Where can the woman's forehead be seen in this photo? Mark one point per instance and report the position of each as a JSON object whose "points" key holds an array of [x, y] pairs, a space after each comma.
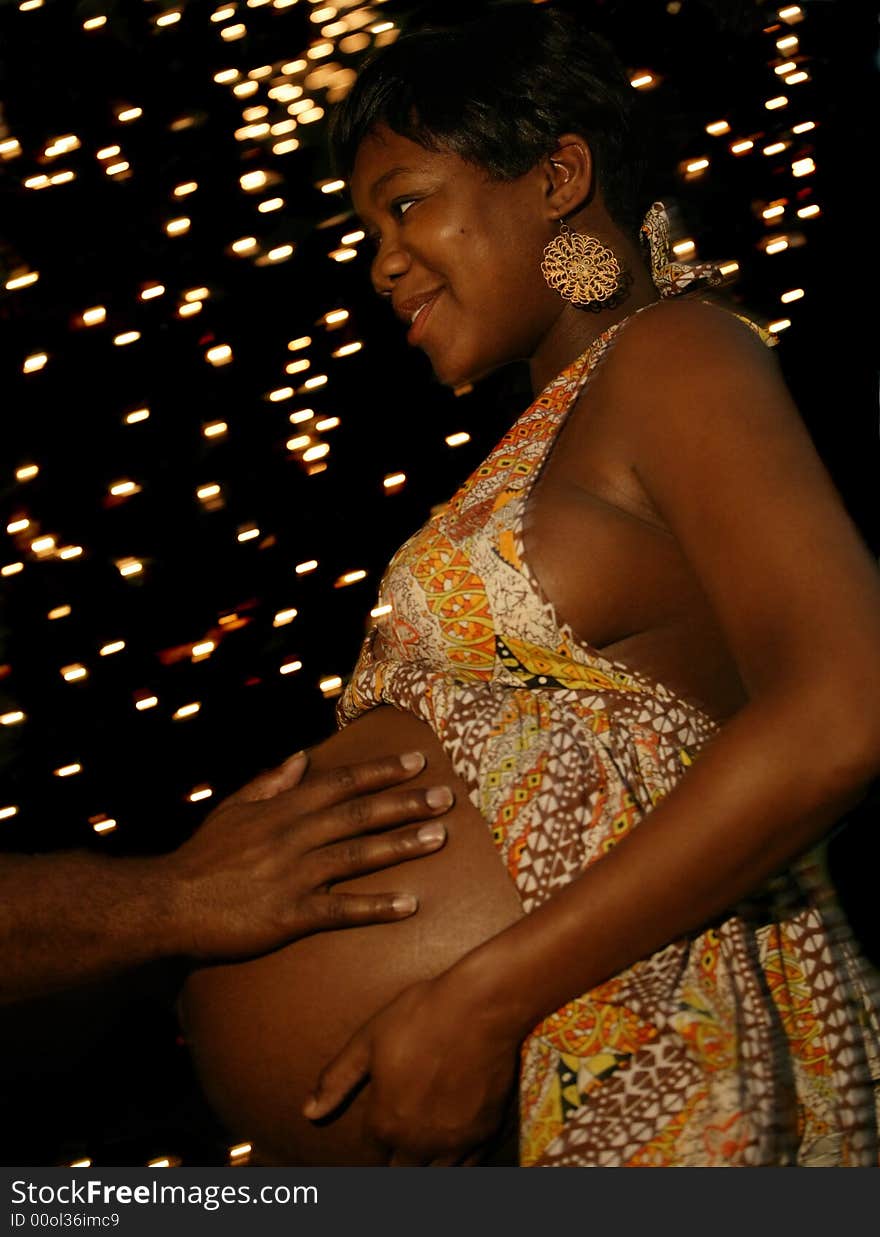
{"points": [[384, 154]]}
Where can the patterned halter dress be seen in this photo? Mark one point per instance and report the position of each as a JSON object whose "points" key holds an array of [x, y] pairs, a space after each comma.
{"points": [[752, 1042]]}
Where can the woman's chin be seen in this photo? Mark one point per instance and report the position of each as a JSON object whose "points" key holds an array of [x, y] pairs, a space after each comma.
{"points": [[454, 373]]}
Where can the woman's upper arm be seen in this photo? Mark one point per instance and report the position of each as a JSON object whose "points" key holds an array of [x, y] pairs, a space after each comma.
{"points": [[721, 451]]}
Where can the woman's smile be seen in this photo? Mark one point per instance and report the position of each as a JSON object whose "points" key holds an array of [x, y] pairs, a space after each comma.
{"points": [[420, 318], [446, 231]]}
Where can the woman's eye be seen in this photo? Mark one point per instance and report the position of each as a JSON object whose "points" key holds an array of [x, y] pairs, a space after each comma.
{"points": [[402, 205]]}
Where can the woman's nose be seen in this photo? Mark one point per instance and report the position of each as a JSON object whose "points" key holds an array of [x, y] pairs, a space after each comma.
{"points": [[389, 264]]}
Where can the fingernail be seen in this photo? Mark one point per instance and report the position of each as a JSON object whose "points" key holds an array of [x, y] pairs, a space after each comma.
{"points": [[404, 903], [295, 758], [310, 1107], [438, 797], [432, 834], [412, 761]]}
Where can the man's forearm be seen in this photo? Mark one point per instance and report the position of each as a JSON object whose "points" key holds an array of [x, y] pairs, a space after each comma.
{"points": [[74, 917]]}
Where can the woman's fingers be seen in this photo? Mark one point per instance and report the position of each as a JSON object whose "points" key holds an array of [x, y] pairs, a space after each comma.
{"points": [[338, 1079]]}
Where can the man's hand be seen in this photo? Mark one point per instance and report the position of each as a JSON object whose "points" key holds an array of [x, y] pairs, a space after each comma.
{"points": [[259, 871]]}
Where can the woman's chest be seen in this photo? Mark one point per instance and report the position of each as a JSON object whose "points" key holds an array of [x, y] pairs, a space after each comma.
{"points": [[616, 575]]}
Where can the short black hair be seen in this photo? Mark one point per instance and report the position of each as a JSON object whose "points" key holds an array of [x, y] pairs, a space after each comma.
{"points": [[498, 91]]}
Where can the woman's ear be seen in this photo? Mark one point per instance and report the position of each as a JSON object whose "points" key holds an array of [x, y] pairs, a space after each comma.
{"points": [[569, 174]]}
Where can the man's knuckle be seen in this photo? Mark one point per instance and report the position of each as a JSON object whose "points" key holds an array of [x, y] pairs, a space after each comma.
{"points": [[344, 778], [359, 813], [352, 853], [337, 910]]}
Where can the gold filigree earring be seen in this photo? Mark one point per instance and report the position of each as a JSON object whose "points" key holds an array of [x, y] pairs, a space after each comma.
{"points": [[580, 268]]}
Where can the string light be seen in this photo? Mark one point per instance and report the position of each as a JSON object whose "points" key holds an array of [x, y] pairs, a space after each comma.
{"points": [[70, 770], [74, 674], [22, 281], [316, 453], [350, 577], [186, 710]]}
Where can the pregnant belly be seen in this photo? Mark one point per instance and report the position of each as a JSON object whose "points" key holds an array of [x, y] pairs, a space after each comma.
{"points": [[260, 1031]]}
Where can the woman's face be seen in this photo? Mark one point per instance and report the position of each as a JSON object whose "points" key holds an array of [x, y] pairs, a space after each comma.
{"points": [[459, 254]]}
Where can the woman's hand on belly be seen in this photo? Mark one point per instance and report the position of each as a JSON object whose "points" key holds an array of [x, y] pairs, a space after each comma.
{"points": [[440, 1076], [260, 871]]}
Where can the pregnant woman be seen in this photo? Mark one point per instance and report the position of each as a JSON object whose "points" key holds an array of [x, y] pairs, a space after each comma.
{"points": [[641, 645]]}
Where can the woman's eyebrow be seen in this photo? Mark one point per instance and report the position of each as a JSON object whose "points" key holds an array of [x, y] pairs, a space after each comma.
{"points": [[384, 178]]}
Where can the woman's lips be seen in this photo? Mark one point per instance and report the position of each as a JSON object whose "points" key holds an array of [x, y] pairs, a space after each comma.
{"points": [[417, 330]]}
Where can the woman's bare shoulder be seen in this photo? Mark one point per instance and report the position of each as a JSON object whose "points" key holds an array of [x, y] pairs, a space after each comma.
{"points": [[687, 366], [700, 332]]}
